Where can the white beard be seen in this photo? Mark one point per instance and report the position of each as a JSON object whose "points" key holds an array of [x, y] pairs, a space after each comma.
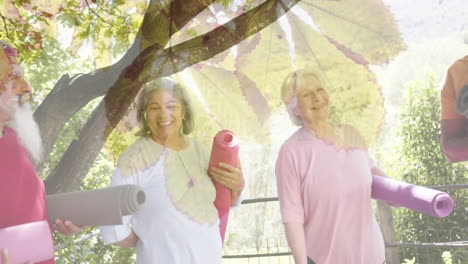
{"points": [[27, 130]]}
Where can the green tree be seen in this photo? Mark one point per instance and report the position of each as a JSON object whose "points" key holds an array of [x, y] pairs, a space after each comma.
{"points": [[160, 38], [419, 160], [133, 41]]}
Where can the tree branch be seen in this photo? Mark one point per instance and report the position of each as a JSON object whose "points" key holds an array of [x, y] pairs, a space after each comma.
{"points": [[70, 95], [79, 157], [95, 13], [5, 26]]}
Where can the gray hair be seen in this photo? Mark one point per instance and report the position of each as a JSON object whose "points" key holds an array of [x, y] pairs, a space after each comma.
{"points": [[177, 90], [294, 81]]}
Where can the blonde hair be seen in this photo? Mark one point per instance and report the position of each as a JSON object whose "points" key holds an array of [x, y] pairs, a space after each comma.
{"points": [[291, 84], [177, 90]]}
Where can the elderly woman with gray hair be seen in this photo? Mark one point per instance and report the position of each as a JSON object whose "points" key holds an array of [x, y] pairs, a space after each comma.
{"points": [[179, 222], [324, 177]]}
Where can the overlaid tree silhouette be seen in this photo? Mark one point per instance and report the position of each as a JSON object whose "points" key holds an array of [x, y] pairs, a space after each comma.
{"points": [[343, 38]]}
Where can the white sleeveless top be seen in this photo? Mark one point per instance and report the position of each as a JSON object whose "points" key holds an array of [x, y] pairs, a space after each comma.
{"points": [[178, 223]]}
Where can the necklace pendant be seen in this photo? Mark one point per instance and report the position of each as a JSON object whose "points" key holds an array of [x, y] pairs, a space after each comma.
{"points": [[191, 182]]}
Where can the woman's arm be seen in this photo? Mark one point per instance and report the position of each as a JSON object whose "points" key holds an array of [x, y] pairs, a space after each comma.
{"points": [[128, 242], [289, 183], [230, 177], [379, 172], [67, 228], [123, 234], [235, 196], [296, 241]]}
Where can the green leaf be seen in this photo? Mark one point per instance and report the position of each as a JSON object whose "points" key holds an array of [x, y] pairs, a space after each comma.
{"points": [[366, 27]]}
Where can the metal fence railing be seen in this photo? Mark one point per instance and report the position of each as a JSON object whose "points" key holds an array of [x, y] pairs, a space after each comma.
{"points": [[282, 254], [449, 245]]}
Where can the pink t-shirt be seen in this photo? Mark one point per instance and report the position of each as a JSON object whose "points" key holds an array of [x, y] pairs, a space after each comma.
{"points": [[329, 192], [22, 194]]}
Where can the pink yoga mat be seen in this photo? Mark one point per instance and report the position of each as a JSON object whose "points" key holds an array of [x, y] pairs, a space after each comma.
{"points": [[27, 242], [225, 149], [425, 200]]}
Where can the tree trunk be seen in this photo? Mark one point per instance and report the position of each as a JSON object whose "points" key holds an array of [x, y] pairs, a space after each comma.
{"points": [[153, 62], [388, 231], [70, 95]]}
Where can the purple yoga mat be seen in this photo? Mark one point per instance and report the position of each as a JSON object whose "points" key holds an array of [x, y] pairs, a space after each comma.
{"points": [[425, 200]]}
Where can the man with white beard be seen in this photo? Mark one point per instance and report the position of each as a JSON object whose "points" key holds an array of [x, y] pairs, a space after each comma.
{"points": [[22, 193]]}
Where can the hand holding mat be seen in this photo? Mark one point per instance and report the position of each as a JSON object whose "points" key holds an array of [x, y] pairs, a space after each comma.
{"points": [[28, 242], [96, 207], [425, 200], [462, 101], [225, 149]]}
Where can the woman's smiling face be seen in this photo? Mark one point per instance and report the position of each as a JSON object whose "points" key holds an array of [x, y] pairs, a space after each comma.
{"points": [[312, 101], [164, 115]]}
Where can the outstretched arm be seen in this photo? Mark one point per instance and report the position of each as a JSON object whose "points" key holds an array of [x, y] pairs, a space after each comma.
{"points": [[67, 228]]}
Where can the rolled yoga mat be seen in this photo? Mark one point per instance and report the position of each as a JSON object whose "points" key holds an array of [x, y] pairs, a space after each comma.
{"points": [[424, 200], [96, 207], [27, 242], [462, 101], [225, 149]]}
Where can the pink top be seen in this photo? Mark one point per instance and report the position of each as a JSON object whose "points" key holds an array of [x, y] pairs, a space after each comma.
{"points": [[329, 191], [22, 194]]}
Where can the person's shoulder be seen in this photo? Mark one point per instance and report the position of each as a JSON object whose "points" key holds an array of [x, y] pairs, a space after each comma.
{"points": [[459, 64], [10, 135], [139, 156], [195, 143], [134, 149], [463, 61], [295, 141], [292, 140], [198, 146], [9, 131], [352, 136], [347, 128]]}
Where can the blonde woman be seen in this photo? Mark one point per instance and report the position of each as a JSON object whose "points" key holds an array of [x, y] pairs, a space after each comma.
{"points": [[324, 182]]}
